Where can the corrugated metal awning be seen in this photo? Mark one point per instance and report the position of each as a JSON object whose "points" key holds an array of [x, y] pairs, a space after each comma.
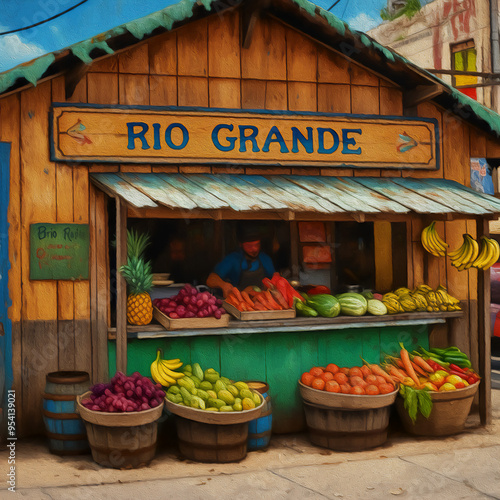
{"points": [[323, 195]]}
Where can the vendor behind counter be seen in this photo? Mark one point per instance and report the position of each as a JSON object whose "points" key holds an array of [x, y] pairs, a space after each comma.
{"points": [[247, 266]]}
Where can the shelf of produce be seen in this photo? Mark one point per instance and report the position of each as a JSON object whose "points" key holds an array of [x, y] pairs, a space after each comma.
{"points": [[297, 324]]}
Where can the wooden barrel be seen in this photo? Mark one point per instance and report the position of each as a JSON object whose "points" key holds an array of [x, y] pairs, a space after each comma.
{"points": [[63, 425], [449, 413], [121, 440], [259, 430], [346, 429], [212, 442]]}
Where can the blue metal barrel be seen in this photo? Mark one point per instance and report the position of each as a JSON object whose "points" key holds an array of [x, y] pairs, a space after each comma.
{"points": [[259, 430], [63, 426]]}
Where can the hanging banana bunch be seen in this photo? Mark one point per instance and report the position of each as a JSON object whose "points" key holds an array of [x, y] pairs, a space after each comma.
{"points": [[432, 242], [464, 256], [488, 255], [469, 254]]}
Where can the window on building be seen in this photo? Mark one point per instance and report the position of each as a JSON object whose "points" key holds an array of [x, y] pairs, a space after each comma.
{"points": [[463, 58]]}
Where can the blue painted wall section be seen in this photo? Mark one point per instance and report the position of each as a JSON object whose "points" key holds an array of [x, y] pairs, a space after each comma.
{"points": [[6, 375]]}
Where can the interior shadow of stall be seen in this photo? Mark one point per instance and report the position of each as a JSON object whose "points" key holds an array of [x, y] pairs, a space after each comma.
{"points": [[341, 255]]}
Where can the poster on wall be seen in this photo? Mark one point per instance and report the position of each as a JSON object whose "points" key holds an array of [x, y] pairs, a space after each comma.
{"points": [[480, 176], [59, 251]]}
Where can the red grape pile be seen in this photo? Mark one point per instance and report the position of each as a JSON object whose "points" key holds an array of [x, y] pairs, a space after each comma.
{"points": [[125, 394], [190, 303]]}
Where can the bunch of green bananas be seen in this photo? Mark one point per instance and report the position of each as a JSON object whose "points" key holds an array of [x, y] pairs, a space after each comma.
{"points": [[163, 370], [470, 255], [432, 242]]}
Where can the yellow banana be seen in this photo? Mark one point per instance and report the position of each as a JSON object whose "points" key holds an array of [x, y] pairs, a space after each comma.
{"points": [[456, 253], [166, 371], [162, 370], [173, 364], [432, 246], [157, 377], [427, 242], [439, 241], [461, 261], [475, 252], [442, 296], [484, 254], [494, 253], [436, 241]]}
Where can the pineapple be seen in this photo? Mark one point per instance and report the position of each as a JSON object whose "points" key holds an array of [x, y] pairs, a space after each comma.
{"points": [[139, 278]]}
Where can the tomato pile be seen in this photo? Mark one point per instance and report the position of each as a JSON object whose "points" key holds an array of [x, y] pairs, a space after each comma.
{"points": [[359, 380]]}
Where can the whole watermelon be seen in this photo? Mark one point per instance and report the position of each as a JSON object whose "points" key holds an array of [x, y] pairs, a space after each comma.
{"points": [[326, 305]]}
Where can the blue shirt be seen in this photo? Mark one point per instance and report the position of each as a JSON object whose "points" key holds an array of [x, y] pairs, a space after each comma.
{"points": [[229, 269]]}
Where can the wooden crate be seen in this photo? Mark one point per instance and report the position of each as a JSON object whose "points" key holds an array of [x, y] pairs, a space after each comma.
{"points": [[258, 315], [189, 323]]}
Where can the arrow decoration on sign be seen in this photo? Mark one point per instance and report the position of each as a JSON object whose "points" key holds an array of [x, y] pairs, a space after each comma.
{"points": [[75, 131], [407, 143]]}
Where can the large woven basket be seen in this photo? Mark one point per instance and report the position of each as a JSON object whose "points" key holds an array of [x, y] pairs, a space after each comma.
{"points": [[450, 410]]}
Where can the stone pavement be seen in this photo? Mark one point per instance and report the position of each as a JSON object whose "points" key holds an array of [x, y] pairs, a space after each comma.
{"points": [[465, 466]]}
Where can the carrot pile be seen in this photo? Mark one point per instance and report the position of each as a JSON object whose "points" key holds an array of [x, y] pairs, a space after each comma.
{"points": [[408, 369], [277, 295]]}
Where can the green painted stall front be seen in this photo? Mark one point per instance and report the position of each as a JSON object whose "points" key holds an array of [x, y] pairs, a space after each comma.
{"points": [[276, 358]]}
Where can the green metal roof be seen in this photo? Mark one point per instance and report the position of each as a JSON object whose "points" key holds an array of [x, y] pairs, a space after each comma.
{"points": [[283, 193], [456, 102]]}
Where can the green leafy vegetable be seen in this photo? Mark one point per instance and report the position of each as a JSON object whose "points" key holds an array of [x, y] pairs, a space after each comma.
{"points": [[424, 402], [416, 400]]}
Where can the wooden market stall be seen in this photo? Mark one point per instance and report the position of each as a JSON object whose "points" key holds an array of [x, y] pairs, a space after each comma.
{"points": [[202, 115]]}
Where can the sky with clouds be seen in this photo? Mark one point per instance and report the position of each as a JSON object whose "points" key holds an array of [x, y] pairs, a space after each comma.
{"points": [[95, 16]]}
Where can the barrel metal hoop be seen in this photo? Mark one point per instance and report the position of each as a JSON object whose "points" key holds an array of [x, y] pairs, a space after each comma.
{"points": [[213, 446], [319, 432], [60, 397], [74, 377], [61, 416], [65, 437]]}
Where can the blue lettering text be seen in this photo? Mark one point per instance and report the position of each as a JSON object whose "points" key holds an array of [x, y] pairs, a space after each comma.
{"points": [[350, 141], [215, 138], [133, 135], [275, 136], [321, 141]]}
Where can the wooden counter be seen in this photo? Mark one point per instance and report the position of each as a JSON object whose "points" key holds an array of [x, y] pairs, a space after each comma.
{"points": [[236, 327]]}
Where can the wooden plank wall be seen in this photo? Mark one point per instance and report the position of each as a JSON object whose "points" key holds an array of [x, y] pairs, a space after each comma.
{"points": [[281, 70]]}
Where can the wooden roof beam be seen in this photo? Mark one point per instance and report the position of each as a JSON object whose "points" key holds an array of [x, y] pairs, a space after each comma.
{"points": [[420, 94], [73, 76]]}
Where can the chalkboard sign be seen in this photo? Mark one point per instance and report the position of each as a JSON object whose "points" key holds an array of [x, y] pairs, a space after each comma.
{"points": [[59, 251]]}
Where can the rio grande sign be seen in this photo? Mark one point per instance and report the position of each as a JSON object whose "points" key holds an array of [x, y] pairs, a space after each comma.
{"points": [[183, 135]]}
